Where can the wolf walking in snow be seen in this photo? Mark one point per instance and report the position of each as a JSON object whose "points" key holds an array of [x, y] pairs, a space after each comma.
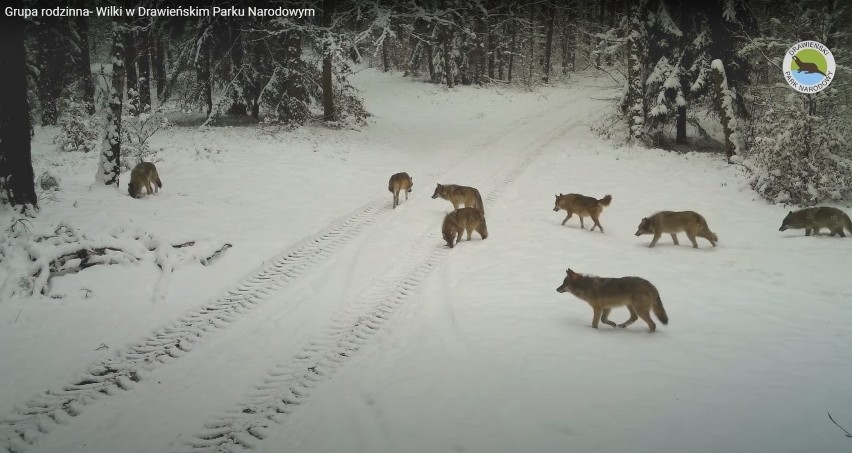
{"points": [[814, 219], [400, 182], [673, 222], [144, 174], [583, 206], [458, 195], [637, 294], [463, 220]]}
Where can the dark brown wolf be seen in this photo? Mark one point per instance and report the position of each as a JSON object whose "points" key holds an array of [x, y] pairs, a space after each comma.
{"points": [[463, 220], [144, 174], [814, 219], [583, 206], [639, 296], [400, 182]]}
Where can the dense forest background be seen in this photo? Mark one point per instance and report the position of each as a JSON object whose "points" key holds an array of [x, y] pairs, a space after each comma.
{"points": [[695, 74]]}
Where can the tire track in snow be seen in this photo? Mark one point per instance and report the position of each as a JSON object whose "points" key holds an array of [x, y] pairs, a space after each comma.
{"points": [[121, 372], [289, 384]]}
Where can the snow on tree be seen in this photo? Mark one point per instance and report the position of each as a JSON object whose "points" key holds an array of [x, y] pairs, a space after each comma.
{"points": [[109, 165]]}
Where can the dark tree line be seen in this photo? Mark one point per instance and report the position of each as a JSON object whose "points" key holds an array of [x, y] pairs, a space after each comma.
{"points": [[675, 58]]}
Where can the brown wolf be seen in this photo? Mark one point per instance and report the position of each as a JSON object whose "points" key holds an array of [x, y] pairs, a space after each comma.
{"points": [[144, 174], [637, 294], [400, 182], [814, 219], [458, 195], [674, 222], [583, 206], [461, 220]]}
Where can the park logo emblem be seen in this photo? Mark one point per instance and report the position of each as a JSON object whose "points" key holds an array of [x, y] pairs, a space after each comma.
{"points": [[809, 67]]}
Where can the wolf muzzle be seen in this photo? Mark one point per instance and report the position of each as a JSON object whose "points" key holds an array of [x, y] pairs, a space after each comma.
{"points": [[783, 228], [638, 233]]}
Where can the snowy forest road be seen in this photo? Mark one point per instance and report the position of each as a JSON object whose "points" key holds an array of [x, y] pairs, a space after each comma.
{"points": [[293, 380], [291, 278]]}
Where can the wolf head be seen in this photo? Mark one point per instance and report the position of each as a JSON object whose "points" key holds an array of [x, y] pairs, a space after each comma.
{"points": [[438, 191], [410, 184], [447, 230], [132, 190], [786, 223], [645, 227], [556, 204], [570, 279]]}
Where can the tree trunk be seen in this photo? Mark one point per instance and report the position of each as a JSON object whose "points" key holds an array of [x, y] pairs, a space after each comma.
{"points": [[130, 69], [445, 55], [680, 138], [109, 166], [430, 53], [84, 63], [491, 46], [724, 103], [548, 44], [50, 64], [17, 181], [532, 39], [144, 82], [635, 88], [514, 33], [385, 62], [159, 58], [327, 85], [202, 66], [238, 77]]}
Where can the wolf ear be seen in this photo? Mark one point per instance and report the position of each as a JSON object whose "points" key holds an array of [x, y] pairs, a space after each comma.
{"points": [[790, 213], [568, 271]]}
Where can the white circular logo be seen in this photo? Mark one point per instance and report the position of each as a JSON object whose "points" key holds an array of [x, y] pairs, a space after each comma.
{"points": [[809, 67]]}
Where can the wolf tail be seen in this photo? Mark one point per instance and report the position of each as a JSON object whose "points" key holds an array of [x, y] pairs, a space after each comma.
{"points": [[658, 308], [847, 221], [605, 201], [479, 202], [159, 183], [390, 187]]}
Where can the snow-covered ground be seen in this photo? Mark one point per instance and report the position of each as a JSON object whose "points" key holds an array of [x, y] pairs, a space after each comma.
{"points": [[336, 323]]}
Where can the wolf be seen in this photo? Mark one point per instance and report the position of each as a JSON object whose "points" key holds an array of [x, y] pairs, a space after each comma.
{"points": [[639, 296], [143, 175], [814, 219], [583, 206], [458, 195], [400, 182], [673, 222], [461, 220]]}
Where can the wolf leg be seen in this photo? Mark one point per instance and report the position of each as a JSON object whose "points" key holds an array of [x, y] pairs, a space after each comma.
{"points": [[632, 319], [567, 217], [654, 241], [645, 314], [597, 224], [605, 317], [674, 238], [691, 237], [596, 315]]}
